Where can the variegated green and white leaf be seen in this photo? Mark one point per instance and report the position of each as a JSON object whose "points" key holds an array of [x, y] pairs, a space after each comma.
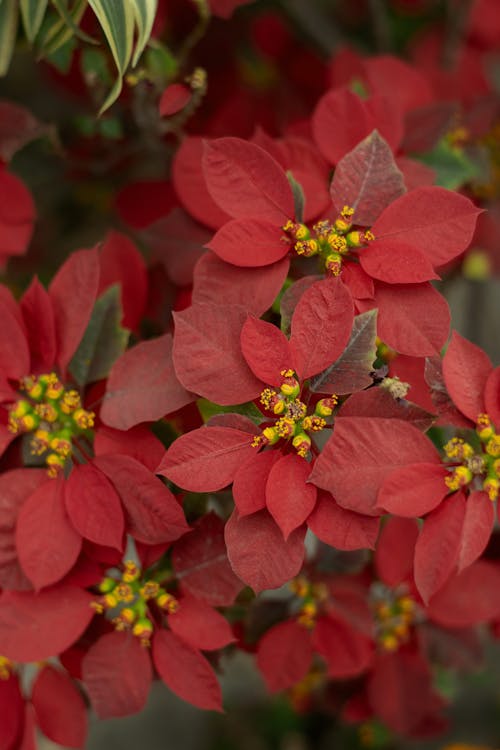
{"points": [[32, 13], [144, 14], [68, 26], [9, 14]]}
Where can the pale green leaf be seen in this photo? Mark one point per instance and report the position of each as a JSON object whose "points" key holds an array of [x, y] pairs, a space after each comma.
{"points": [[64, 29], [9, 13], [144, 13], [32, 12], [71, 18]]}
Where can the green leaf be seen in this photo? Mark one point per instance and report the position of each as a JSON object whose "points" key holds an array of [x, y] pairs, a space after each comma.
{"points": [[452, 166], [117, 22], [144, 14], [351, 371], [32, 12], [208, 409], [65, 28], [9, 13], [103, 341], [72, 18], [298, 196], [160, 62]]}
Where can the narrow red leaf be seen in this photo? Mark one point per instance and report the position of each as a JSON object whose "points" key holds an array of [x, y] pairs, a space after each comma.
{"points": [[341, 528], [466, 368], [117, 674], [249, 486], [321, 326], [60, 710], [38, 319], [492, 396], [206, 459], [249, 242], [199, 625], [414, 490], [12, 702], [477, 528], [17, 214], [142, 386], [258, 553], [14, 360], [244, 180], [289, 499], [284, 655], [93, 506], [396, 550], [36, 626], [186, 672], [266, 350], [173, 99]]}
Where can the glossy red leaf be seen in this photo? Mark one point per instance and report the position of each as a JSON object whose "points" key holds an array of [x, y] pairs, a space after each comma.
{"points": [[221, 283], [466, 368], [438, 222], [249, 486], [12, 702], [191, 187], [201, 564], [244, 180], [38, 319], [121, 263], [414, 319], [361, 453], [341, 528], [258, 553], [72, 292], [414, 490], [47, 544], [476, 531], [367, 179], [266, 350], [438, 545], [469, 598], [173, 99], [152, 513], [394, 261], [249, 242], [321, 326], [117, 674], [138, 442], [289, 499], [347, 652], [206, 459], [207, 354], [93, 506], [60, 710], [186, 672], [142, 385], [36, 626], [199, 625], [284, 655], [395, 551]]}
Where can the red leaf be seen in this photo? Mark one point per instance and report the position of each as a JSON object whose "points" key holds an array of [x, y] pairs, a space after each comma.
{"points": [[93, 506], [186, 672], [266, 349], [72, 292], [207, 354], [477, 528], [347, 652], [244, 180], [206, 459], [199, 625], [200, 562], [378, 402], [249, 242], [414, 490], [414, 319], [12, 702], [14, 360], [121, 263], [465, 370], [117, 675], [47, 544], [142, 385], [289, 499], [341, 528], [291, 298], [174, 98], [438, 545], [438, 222], [469, 598], [395, 551], [138, 442], [396, 262], [191, 187], [249, 486], [17, 215], [386, 73], [258, 553], [152, 513], [225, 8], [284, 655], [17, 128], [367, 179], [492, 396], [321, 326], [361, 453], [35, 626], [60, 709], [38, 318], [220, 283]]}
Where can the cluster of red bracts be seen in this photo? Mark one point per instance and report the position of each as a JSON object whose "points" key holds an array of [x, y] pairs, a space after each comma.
{"points": [[288, 434]]}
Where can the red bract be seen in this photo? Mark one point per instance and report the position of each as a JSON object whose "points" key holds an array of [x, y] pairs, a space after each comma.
{"points": [[17, 216]]}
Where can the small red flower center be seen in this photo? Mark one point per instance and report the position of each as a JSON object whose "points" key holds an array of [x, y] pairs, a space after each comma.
{"points": [[476, 465]]}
